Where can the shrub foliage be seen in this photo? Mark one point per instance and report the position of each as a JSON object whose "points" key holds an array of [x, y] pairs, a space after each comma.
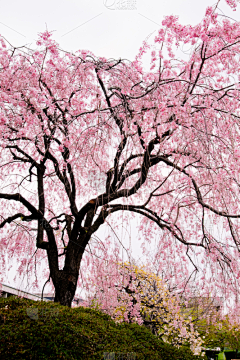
{"points": [[40, 330]]}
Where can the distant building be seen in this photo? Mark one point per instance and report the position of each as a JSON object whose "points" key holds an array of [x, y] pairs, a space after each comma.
{"points": [[6, 291], [200, 307]]}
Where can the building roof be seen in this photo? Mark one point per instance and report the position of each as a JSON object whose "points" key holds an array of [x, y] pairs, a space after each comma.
{"points": [[6, 290], [9, 290]]}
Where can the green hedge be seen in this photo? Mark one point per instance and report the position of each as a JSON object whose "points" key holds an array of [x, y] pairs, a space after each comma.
{"points": [[40, 330]]}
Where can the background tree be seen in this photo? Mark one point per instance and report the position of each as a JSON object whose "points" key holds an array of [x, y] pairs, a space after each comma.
{"points": [[137, 295], [219, 332], [166, 139]]}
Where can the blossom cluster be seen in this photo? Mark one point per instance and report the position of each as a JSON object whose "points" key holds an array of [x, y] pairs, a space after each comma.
{"points": [[138, 296]]}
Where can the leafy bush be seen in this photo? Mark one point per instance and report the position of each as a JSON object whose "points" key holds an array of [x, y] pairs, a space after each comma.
{"points": [[40, 330]]}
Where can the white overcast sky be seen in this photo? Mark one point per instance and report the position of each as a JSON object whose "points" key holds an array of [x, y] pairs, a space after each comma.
{"points": [[95, 25]]}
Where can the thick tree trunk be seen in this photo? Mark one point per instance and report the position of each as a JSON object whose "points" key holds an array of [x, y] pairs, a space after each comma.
{"points": [[65, 288], [65, 281]]}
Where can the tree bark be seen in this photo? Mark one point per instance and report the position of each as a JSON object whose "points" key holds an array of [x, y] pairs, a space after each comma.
{"points": [[65, 287], [65, 280]]}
